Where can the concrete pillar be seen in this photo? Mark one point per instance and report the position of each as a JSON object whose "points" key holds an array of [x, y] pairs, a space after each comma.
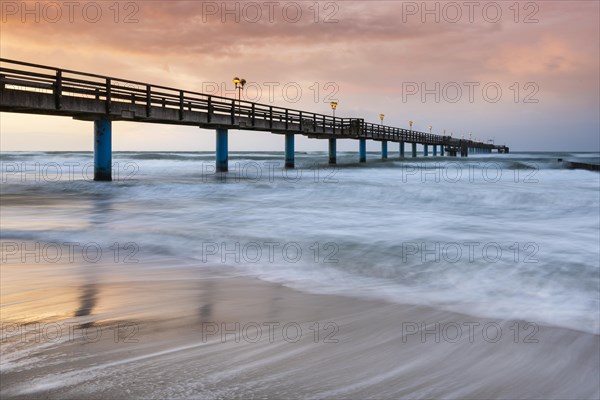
{"points": [[464, 152], [435, 150], [103, 150], [425, 150], [289, 150], [401, 149], [222, 150], [414, 149], [332, 151], [442, 150], [384, 153], [362, 149]]}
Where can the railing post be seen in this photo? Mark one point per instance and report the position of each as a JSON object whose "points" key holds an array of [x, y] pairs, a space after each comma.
{"points": [[253, 114], [333, 125], [181, 105], [233, 112], [270, 117], [108, 95], [2, 86], [323, 123], [209, 110], [148, 101], [314, 122], [286, 119], [57, 90]]}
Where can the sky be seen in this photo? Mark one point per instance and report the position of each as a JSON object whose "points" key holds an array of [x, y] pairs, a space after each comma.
{"points": [[525, 74]]}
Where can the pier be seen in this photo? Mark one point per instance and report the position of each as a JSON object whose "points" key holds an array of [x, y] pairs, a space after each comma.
{"points": [[38, 89]]}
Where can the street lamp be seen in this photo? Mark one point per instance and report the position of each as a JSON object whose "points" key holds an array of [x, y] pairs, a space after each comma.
{"points": [[470, 135], [381, 117], [411, 124], [239, 85], [430, 128], [333, 105]]}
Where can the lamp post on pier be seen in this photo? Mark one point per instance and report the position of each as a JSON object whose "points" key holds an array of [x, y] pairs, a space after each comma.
{"points": [[333, 105], [239, 85]]}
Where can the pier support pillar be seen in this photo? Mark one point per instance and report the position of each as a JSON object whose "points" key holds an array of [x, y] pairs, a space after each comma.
{"points": [[362, 149], [332, 151], [435, 150], [222, 150], [103, 150], [414, 149], [401, 149], [442, 150], [289, 150], [384, 152], [425, 150]]}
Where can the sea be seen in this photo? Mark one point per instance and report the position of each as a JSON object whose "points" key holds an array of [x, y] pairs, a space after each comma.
{"points": [[511, 236]]}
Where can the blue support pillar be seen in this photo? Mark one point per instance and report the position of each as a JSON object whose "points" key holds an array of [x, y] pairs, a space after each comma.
{"points": [[384, 153], [425, 150], [442, 150], [414, 149], [103, 150], [222, 150], [435, 150], [401, 149], [362, 149], [289, 150], [332, 151]]}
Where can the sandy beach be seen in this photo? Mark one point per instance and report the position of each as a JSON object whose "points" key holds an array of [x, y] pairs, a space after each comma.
{"points": [[153, 332]]}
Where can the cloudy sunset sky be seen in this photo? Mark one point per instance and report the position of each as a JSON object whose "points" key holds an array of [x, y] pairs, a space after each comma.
{"points": [[368, 55]]}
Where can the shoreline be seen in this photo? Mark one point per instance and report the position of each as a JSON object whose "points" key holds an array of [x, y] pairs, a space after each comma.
{"points": [[199, 331]]}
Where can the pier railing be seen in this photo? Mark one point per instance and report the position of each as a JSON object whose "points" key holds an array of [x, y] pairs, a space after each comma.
{"points": [[115, 98]]}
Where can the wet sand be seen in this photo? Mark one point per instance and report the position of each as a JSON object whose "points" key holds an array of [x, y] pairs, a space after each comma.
{"points": [[158, 331]]}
